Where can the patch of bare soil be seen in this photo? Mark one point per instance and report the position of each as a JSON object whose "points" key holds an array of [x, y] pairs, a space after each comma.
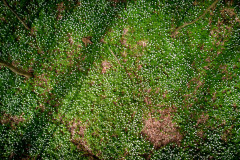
{"points": [[162, 132]]}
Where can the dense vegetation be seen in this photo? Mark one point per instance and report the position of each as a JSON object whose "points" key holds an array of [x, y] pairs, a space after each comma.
{"points": [[112, 81]]}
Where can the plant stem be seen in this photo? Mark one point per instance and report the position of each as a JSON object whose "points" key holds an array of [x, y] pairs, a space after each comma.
{"points": [[175, 32], [15, 69], [5, 2], [120, 64]]}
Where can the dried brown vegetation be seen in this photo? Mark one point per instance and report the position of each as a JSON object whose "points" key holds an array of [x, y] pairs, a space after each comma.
{"points": [[115, 2], [70, 40], [176, 31], [60, 9], [87, 40], [124, 42], [225, 25], [203, 119], [105, 66], [12, 120], [162, 132], [77, 129], [123, 39], [227, 134], [142, 43]]}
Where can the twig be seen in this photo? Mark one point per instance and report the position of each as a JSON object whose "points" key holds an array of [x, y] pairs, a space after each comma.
{"points": [[5, 2], [189, 23], [120, 64], [15, 69], [115, 57]]}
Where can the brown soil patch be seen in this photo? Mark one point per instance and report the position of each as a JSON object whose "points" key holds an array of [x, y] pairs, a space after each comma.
{"points": [[103, 41], [123, 40], [161, 132], [228, 11], [147, 100]]}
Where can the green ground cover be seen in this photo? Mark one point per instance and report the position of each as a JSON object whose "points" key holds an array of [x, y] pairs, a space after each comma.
{"points": [[110, 82]]}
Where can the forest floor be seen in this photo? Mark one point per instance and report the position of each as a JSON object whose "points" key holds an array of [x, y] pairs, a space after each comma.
{"points": [[111, 82]]}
